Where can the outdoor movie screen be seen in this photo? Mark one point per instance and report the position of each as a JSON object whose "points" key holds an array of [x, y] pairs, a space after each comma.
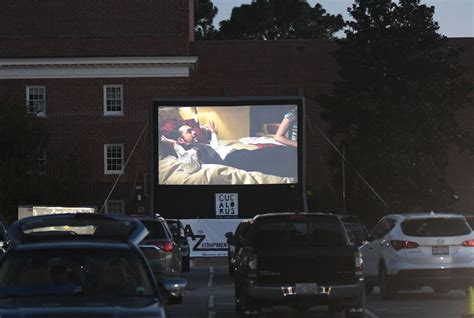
{"points": [[228, 145]]}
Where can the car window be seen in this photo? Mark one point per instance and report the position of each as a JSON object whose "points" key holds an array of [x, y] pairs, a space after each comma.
{"points": [[312, 231], [357, 233], [75, 271], [382, 228], [435, 227], [156, 229]]}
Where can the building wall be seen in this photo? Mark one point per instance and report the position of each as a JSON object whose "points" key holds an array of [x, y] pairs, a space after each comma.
{"points": [[94, 27]]}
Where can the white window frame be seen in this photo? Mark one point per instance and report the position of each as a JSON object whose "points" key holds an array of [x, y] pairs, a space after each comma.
{"points": [[109, 112], [106, 170], [117, 202], [42, 111]]}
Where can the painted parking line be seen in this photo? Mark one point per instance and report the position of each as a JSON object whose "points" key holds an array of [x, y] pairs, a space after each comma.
{"points": [[210, 301], [370, 314]]}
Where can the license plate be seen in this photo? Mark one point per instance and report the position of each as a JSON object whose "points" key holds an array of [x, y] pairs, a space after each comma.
{"points": [[440, 250], [306, 289]]}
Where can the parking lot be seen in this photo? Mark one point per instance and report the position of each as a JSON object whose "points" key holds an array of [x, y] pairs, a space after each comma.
{"points": [[210, 294]]}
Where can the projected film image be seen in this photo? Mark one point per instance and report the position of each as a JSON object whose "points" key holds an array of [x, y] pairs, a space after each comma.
{"points": [[228, 145]]}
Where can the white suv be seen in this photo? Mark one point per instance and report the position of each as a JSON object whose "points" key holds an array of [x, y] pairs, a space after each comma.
{"points": [[409, 251]]}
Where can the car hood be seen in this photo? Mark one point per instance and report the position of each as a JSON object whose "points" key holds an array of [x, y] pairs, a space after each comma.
{"points": [[72, 307]]}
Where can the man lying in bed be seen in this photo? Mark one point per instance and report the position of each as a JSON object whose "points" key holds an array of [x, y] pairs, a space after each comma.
{"points": [[278, 160]]}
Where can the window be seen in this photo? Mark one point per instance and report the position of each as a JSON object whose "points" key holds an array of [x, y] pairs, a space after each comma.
{"points": [[115, 207], [113, 100], [113, 158], [36, 100]]}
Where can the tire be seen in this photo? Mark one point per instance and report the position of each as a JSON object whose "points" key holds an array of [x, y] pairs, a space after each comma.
{"points": [[174, 300], [387, 288], [249, 307], [186, 264], [369, 288]]}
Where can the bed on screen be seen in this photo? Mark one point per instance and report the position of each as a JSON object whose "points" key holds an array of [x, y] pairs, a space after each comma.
{"points": [[171, 172]]}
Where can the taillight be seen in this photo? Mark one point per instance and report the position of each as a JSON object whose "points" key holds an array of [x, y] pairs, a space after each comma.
{"points": [[165, 246], [398, 245], [468, 243], [359, 264]]}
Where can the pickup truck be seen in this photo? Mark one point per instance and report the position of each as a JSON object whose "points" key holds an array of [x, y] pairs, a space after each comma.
{"points": [[299, 260]]}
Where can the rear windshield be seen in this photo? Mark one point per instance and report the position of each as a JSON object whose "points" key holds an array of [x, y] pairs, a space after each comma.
{"points": [[357, 233], [156, 229], [87, 272], [435, 227], [309, 231]]}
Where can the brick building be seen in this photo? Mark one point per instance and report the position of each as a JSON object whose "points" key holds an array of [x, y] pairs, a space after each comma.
{"points": [[90, 69]]}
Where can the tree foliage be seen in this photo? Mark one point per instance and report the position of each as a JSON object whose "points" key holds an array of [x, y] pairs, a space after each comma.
{"points": [[22, 141], [23, 180], [395, 106], [279, 19], [204, 17]]}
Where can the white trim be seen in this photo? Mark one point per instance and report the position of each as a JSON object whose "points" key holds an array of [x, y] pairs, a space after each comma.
{"points": [[113, 113], [109, 172], [106, 67]]}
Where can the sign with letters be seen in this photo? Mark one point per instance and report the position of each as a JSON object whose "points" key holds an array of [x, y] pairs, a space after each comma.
{"points": [[227, 205], [206, 237]]}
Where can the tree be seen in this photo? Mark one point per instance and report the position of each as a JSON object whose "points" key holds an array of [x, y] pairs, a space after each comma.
{"points": [[279, 19], [22, 140], [204, 18], [395, 105]]}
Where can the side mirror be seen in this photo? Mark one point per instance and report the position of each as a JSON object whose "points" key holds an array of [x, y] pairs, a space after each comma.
{"points": [[174, 287], [229, 234]]}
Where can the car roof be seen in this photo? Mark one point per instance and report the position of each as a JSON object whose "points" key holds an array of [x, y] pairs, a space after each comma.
{"points": [[283, 214], [424, 215], [78, 227], [72, 245]]}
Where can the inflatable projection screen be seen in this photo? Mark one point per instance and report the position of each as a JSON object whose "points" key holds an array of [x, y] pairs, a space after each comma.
{"points": [[228, 142]]}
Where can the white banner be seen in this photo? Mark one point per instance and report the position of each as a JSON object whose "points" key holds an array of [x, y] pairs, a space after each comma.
{"points": [[206, 237]]}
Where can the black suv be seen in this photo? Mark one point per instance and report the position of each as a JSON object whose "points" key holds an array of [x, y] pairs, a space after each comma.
{"points": [[162, 252], [234, 242], [300, 260], [59, 265], [179, 236]]}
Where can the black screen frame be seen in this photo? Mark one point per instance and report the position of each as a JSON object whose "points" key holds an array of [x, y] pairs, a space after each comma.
{"points": [[294, 191]]}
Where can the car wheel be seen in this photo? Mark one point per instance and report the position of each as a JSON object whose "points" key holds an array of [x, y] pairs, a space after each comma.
{"points": [[369, 288], [186, 264], [387, 290], [174, 300], [249, 307]]}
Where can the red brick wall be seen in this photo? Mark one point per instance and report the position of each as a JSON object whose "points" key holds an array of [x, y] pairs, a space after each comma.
{"points": [[76, 125], [94, 27]]}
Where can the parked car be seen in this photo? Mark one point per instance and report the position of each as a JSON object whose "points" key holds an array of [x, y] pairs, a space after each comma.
{"points": [[162, 252], [300, 260], [234, 243], [409, 251], [71, 265], [179, 236], [4, 238]]}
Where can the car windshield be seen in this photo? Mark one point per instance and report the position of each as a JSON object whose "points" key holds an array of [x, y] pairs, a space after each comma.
{"points": [[435, 227], [88, 272], [300, 231]]}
